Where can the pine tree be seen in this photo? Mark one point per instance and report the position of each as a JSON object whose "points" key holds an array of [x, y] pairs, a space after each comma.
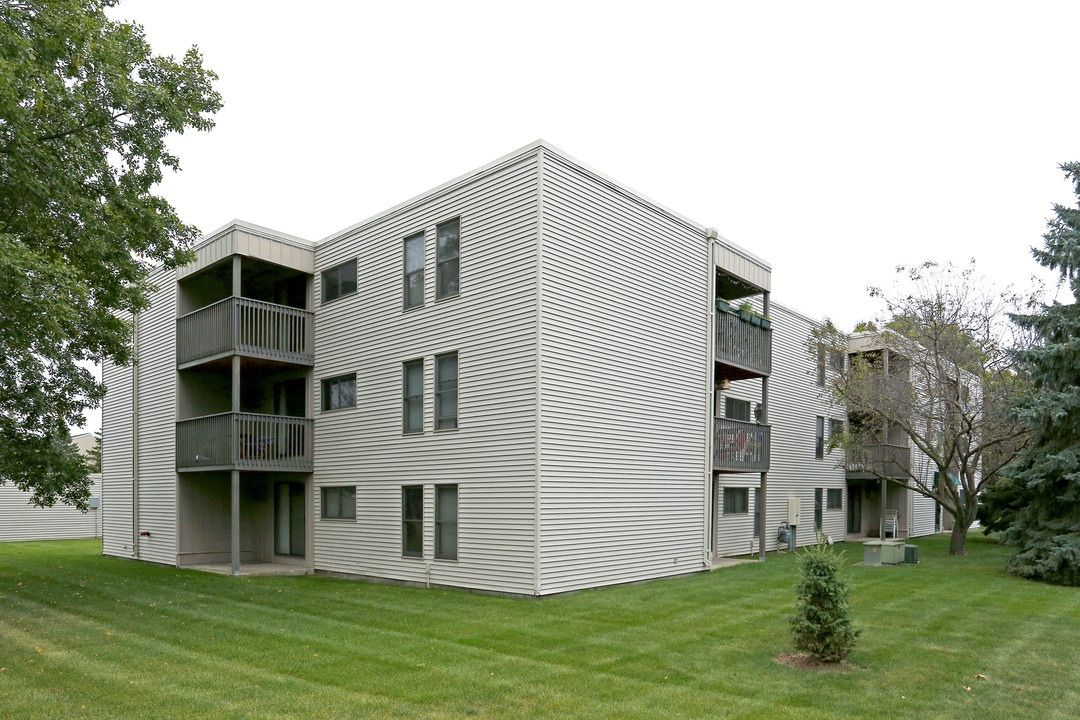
{"points": [[821, 625], [1047, 527]]}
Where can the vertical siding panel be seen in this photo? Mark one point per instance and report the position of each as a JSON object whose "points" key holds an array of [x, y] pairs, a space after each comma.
{"points": [[623, 386], [492, 327], [157, 417]]}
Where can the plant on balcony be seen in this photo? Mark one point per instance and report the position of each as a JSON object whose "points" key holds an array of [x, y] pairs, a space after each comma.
{"points": [[821, 625]]}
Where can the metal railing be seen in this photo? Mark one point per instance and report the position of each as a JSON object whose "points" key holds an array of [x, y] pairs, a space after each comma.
{"points": [[891, 461], [245, 441], [243, 325], [740, 446], [743, 344]]}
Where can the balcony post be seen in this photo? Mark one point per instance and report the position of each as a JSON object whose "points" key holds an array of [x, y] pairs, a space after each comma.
{"points": [[234, 534]]}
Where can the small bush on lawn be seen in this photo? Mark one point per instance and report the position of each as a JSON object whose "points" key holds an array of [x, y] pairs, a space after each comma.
{"points": [[820, 625]]}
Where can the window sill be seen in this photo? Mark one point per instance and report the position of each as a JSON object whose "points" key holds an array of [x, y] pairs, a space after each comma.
{"points": [[337, 410]]}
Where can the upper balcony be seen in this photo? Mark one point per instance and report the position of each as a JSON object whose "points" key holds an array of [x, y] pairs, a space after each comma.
{"points": [[740, 446], [881, 460], [743, 343], [245, 441], [243, 326]]}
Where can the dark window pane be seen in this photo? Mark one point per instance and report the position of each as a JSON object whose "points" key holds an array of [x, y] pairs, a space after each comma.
{"points": [[446, 383], [339, 281], [414, 289], [446, 515], [414, 254], [412, 520], [447, 278], [835, 499], [447, 236]]}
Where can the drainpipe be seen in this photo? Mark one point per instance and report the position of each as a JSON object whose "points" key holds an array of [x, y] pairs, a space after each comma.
{"points": [[764, 523], [135, 437]]}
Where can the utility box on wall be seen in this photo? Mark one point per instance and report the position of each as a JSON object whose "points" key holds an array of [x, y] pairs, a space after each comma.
{"points": [[794, 509]]}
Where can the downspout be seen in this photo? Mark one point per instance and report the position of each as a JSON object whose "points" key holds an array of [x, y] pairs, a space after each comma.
{"points": [[763, 523], [135, 437], [710, 399]]}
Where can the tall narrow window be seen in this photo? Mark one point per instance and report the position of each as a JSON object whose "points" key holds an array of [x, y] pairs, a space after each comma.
{"points": [[819, 437], [447, 268], [412, 520], [446, 395], [821, 365], [412, 410], [446, 515], [338, 281], [414, 270], [818, 509]]}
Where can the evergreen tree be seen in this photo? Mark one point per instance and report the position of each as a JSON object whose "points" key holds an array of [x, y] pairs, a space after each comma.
{"points": [[821, 625], [1047, 527]]}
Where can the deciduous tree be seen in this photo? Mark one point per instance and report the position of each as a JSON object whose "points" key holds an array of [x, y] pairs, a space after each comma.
{"points": [[85, 112]]}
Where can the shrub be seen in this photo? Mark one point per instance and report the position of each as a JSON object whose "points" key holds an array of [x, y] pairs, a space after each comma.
{"points": [[820, 625]]}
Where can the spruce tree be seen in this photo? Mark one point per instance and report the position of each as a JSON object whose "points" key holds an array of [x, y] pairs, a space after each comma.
{"points": [[1047, 526]]}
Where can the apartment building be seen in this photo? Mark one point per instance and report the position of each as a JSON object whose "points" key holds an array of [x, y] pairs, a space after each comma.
{"points": [[528, 380]]}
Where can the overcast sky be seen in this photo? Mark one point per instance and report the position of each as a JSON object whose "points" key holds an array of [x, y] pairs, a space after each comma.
{"points": [[834, 140]]}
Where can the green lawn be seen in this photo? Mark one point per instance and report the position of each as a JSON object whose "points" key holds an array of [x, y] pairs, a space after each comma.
{"points": [[87, 636]]}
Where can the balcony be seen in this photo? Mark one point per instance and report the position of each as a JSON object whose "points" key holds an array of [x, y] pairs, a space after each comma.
{"points": [[245, 441], [740, 446], [245, 327], [743, 348], [890, 461]]}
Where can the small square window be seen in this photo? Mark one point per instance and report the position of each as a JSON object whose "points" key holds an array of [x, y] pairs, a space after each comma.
{"points": [[339, 503], [835, 499], [339, 392], [737, 409], [339, 281], [736, 501]]}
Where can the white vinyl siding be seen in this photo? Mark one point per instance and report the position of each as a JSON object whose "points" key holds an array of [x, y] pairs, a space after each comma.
{"points": [[116, 460], [19, 520], [157, 418], [491, 324], [795, 401], [624, 377]]}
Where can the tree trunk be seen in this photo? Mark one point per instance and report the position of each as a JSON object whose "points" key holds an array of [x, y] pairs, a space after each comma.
{"points": [[958, 539]]}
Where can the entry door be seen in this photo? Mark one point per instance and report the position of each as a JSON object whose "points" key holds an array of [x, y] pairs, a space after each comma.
{"points": [[854, 508], [289, 514]]}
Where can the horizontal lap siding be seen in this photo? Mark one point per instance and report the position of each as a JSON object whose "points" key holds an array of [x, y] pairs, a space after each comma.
{"points": [[491, 325], [795, 400], [157, 422], [623, 387], [922, 508], [116, 460], [19, 520]]}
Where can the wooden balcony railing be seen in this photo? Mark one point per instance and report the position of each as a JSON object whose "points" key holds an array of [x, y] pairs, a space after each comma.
{"points": [[891, 461], [245, 441], [740, 446], [248, 327], [743, 345]]}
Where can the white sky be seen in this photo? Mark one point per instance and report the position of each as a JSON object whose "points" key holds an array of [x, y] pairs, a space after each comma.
{"points": [[836, 140]]}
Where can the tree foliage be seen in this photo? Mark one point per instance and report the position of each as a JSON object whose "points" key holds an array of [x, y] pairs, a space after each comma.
{"points": [[940, 375], [1046, 525], [85, 110], [821, 624]]}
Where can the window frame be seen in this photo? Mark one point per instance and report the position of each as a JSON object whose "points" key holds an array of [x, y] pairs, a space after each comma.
{"points": [[326, 490], [440, 524], [407, 521], [819, 508], [833, 425], [731, 404], [442, 262], [326, 383], [407, 274], [440, 392], [731, 508], [407, 399], [831, 493], [819, 437], [324, 276]]}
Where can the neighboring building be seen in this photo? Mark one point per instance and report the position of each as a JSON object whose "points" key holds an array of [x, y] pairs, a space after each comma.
{"points": [[505, 384], [20, 520]]}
